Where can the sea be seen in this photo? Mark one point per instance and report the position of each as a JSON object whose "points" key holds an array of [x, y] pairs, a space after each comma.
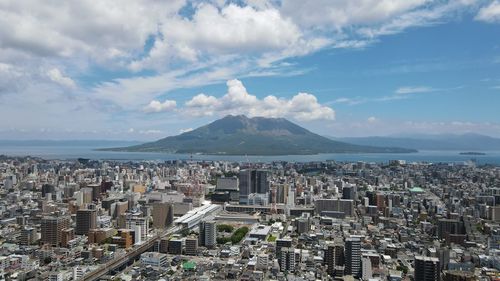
{"points": [[65, 152]]}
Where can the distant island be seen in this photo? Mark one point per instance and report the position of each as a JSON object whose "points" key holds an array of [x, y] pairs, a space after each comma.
{"points": [[472, 153], [240, 135], [437, 142]]}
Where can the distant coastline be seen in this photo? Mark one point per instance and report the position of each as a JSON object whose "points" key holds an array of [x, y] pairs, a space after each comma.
{"points": [[472, 153]]}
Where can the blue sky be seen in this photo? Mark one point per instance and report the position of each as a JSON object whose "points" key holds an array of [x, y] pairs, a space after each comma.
{"points": [[146, 70]]}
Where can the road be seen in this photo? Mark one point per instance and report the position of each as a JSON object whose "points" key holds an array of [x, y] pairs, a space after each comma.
{"points": [[132, 254]]}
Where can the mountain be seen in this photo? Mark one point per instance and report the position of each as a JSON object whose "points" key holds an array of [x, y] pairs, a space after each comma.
{"points": [[464, 142], [240, 135]]}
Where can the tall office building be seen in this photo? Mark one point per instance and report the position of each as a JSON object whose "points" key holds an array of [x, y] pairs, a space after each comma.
{"points": [[353, 256], [245, 185], [210, 234], [201, 233], [427, 269], [252, 181], [51, 229], [86, 219], [261, 181], [163, 215]]}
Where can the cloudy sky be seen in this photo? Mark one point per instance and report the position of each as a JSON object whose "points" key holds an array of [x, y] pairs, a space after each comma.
{"points": [[145, 69]]}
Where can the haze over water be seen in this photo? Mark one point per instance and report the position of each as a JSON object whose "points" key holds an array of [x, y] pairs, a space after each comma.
{"points": [[74, 152]]}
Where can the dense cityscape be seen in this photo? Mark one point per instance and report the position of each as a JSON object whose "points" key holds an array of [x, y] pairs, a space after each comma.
{"points": [[189, 220], [253, 140]]}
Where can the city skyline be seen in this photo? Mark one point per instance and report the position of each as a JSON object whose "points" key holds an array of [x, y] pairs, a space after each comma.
{"points": [[146, 70]]}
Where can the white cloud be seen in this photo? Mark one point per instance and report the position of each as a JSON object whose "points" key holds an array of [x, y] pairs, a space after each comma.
{"points": [[372, 119], [157, 106], [41, 44], [57, 76], [100, 29], [181, 131], [490, 13], [302, 107], [414, 90], [231, 29], [338, 14]]}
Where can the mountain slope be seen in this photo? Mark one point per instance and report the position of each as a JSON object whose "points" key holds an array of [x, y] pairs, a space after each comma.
{"points": [[239, 135], [465, 142]]}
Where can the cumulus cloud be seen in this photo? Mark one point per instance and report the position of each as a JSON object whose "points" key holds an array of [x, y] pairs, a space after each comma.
{"points": [[372, 119], [150, 48], [490, 13], [57, 76], [217, 31], [65, 29], [342, 13], [413, 90], [156, 106], [237, 100]]}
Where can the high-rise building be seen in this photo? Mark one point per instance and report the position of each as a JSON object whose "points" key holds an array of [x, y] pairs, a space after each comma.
{"points": [[163, 215], [427, 269], [252, 181], [51, 229], [287, 260], [86, 219], [261, 182], [333, 256], [353, 256], [245, 185], [191, 246], [282, 243], [210, 234]]}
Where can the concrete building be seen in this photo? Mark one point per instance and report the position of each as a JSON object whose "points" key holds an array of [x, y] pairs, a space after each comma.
{"points": [[163, 215], [154, 259], [345, 206], [210, 233], [427, 269], [175, 246], [353, 256], [51, 229], [86, 219], [191, 246], [287, 260], [28, 236]]}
